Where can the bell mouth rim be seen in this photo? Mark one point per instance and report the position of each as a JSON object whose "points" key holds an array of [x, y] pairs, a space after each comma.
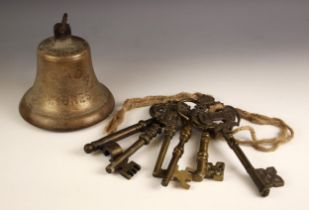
{"points": [[59, 124]]}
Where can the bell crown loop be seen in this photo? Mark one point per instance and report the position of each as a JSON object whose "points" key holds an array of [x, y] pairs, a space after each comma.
{"points": [[62, 30]]}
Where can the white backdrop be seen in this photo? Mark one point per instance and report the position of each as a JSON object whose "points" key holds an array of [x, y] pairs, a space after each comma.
{"points": [[249, 54]]}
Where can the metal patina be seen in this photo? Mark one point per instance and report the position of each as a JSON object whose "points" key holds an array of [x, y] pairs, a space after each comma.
{"points": [[209, 117], [66, 94]]}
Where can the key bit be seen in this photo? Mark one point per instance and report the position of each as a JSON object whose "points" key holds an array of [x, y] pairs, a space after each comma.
{"points": [[270, 177], [182, 177], [215, 172], [125, 168], [128, 169]]}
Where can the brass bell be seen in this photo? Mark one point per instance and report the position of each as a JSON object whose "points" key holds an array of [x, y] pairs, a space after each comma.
{"points": [[66, 94]]}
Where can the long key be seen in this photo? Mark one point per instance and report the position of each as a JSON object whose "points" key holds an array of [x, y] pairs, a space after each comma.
{"points": [[143, 139], [121, 134], [168, 134], [202, 158], [264, 179], [185, 135]]}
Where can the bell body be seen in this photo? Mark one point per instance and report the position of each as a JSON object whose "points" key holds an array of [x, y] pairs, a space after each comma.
{"points": [[66, 94]]}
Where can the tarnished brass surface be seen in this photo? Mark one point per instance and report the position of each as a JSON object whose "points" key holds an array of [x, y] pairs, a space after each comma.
{"points": [[209, 117], [144, 139], [178, 151], [117, 136], [66, 94], [202, 158], [126, 168], [170, 117]]}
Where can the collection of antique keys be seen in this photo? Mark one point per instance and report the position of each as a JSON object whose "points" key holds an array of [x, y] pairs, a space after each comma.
{"points": [[209, 117]]}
